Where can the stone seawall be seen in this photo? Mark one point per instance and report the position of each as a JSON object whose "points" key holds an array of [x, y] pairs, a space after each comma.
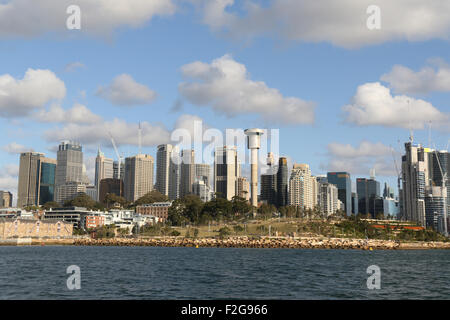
{"points": [[243, 242]]}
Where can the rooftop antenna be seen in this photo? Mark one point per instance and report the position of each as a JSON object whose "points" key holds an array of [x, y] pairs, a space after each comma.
{"points": [[411, 133]]}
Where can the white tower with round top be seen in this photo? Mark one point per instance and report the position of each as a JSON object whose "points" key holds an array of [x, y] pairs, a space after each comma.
{"points": [[254, 143]]}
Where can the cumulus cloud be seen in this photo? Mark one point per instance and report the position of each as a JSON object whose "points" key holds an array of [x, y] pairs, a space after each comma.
{"points": [[428, 79], [19, 97], [15, 148], [342, 23], [9, 175], [99, 17], [125, 91], [77, 114], [98, 133], [358, 160], [373, 104], [225, 85]]}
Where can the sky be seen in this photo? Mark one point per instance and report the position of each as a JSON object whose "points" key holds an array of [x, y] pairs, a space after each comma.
{"points": [[344, 83]]}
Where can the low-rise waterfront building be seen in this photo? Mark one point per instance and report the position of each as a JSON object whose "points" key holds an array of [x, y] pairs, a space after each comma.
{"points": [[157, 209]]}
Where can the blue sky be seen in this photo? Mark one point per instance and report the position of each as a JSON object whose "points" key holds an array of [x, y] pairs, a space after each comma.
{"points": [[322, 69]]}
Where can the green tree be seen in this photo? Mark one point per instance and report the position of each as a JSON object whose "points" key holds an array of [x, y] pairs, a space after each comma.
{"points": [[151, 197], [83, 200], [112, 198], [240, 206], [51, 204]]}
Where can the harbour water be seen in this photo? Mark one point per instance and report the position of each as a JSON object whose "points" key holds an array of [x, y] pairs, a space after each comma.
{"points": [[33, 272]]}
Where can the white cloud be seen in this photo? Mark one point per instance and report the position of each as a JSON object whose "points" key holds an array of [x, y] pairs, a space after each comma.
{"points": [[77, 114], [358, 160], [15, 148], [225, 85], [99, 17], [9, 175], [125, 91], [98, 133], [19, 97], [342, 23], [428, 79], [373, 104]]}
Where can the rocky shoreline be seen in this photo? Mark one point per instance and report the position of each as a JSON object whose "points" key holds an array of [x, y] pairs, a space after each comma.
{"points": [[281, 243]]}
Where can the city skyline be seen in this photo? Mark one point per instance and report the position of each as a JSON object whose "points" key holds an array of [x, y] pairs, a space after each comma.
{"points": [[100, 82]]}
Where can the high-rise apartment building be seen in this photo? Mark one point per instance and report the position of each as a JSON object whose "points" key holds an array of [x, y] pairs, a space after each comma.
{"points": [[425, 194], [226, 171], [104, 169], [328, 198], [138, 176], [36, 176], [343, 183], [243, 188], [301, 193], [187, 172]]}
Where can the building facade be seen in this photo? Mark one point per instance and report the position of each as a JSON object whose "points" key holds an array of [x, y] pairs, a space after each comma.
{"points": [[301, 185], [138, 176], [342, 181], [226, 171], [104, 169]]}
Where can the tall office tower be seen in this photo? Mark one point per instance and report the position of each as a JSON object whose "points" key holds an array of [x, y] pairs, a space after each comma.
{"points": [[69, 191], [36, 176], [301, 187], [203, 172], [328, 198], [226, 171], [368, 191], [415, 177], [388, 192], [116, 174], [435, 202], [202, 190], [174, 174], [269, 182], [187, 172], [28, 178], [344, 185], [243, 188], [6, 199], [69, 165], [138, 176], [112, 186], [47, 181], [163, 159], [104, 169], [282, 182], [355, 203]]}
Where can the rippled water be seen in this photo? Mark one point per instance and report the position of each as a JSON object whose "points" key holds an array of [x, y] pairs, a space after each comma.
{"points": [[221, 273]]}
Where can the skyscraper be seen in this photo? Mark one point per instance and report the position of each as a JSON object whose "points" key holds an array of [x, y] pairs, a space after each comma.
{"points": [[269, 182], [163, 159], [174, 174], [203, 172], [69, 166], [328, 198], [104, 169], [301, 193], [226, 171], [116, 174], [243, 188], [282, 182], [138, 176], [36, 175], [343, 183], [187, 172], [368, 191]]}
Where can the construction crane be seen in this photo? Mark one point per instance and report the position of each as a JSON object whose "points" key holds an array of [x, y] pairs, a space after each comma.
{"points": [[443, 190], [119, 158]]}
